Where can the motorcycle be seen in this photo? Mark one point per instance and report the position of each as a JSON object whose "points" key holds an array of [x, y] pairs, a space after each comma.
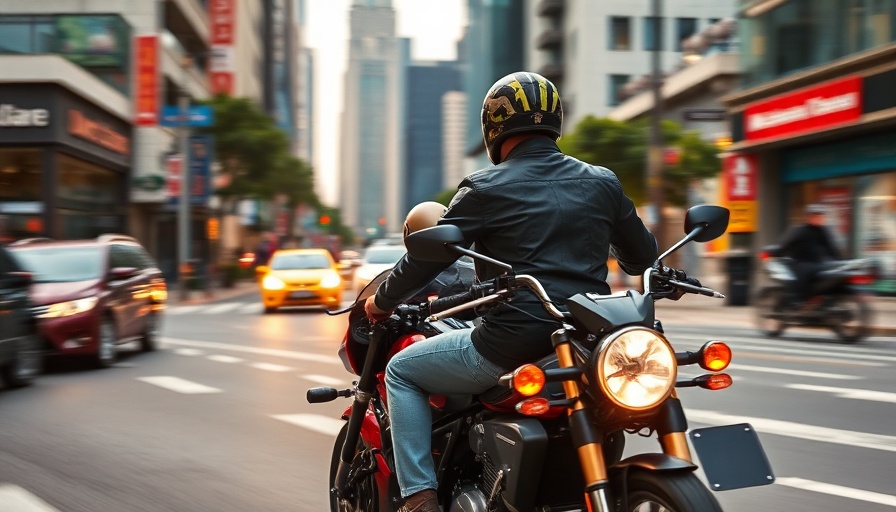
{"points": [[836, 300], [550, 435]]}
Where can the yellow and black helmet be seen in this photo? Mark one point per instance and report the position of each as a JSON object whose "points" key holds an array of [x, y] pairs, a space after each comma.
{"points": [[519, 102]]}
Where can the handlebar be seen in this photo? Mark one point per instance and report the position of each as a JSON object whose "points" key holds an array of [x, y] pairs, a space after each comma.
{"points": [[444, 303]]}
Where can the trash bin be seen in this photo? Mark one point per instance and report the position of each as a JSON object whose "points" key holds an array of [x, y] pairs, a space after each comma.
{"points": [[739, 267]]}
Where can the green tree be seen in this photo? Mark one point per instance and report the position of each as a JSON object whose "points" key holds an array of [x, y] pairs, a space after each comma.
{"points": [[622, 147]]}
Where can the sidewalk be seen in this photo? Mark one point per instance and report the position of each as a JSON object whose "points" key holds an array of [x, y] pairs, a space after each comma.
{"points": [[239, 289]]}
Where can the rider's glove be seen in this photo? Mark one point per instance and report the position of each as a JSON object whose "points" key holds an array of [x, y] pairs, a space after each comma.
{"points": [[374, 313]]}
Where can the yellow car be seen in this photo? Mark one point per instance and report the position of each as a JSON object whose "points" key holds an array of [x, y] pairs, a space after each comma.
{"points": [[300, 277]]}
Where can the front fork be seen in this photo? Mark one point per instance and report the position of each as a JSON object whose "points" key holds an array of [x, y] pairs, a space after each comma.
{"points": [[671, 427]]}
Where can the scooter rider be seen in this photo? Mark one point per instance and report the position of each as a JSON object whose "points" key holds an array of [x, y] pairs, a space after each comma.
{"points": [[548, 215], [811, 246]]}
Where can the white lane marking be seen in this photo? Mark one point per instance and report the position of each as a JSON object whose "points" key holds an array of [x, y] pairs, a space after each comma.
{"points": [[179, 310], [821, 346], [220, 308], [325, 380], [15, 499], [179, 385], [875, 357], [314, 422], [250, 308], [221, 358], [785, 371], [855, 394], [838, 490], [270, 367], [188, 352], [288, 354], [798, 430]]}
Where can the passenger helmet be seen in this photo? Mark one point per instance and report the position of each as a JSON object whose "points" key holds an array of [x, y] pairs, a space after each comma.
{"points": [[424, 215], [519, 102]]}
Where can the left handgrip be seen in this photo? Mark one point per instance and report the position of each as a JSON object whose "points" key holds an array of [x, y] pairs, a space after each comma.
{"points": [[321, 395]]}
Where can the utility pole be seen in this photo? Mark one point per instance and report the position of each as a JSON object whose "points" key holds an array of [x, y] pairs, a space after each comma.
{"points": [[183, 208], [655, 192]]}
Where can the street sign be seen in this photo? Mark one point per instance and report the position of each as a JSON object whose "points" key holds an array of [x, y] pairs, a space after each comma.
{"points": [[704, 114], [197, 115]]}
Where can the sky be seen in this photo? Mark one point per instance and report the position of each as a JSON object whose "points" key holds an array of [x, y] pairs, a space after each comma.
{"points": [[434, 27]]}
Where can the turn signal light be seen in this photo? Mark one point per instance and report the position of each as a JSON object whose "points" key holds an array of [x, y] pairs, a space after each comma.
{"points": [[718, 381], [716, 356], [535, 406], [528, 380]]}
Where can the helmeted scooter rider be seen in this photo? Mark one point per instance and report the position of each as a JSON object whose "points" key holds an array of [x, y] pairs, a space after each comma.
{"points": [[811, 246]]}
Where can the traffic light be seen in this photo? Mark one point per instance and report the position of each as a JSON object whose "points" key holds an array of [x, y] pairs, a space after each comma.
{"points": [[324, 220]]}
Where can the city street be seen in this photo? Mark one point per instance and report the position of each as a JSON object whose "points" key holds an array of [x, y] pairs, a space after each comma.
{"points": [[216, 420]]}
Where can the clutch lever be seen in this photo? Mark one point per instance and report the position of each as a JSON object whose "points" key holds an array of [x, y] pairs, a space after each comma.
{"points": [[709, 292]]}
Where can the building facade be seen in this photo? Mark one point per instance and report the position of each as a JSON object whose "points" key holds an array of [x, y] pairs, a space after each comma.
{"points": [[815, 121]]}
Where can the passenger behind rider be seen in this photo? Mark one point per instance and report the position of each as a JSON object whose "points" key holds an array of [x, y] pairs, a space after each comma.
{"points": [[811, 246], [549, 216]]}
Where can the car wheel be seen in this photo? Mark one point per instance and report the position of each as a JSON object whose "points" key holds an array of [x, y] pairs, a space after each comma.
{"points": [[106, 340], [268, 310], [27, 364], [149, 338]]}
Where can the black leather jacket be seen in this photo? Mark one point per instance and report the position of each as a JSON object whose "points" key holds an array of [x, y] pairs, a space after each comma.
{"points": [[549, 216]]}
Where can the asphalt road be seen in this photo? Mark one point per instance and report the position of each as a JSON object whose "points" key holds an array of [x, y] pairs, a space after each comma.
{"points": [[216, 420]]}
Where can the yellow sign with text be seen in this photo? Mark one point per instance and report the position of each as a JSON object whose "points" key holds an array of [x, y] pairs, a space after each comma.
{"points": [[743, 216]]}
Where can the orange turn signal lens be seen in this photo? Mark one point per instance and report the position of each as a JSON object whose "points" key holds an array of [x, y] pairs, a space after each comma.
{"points": [[716, 356], [535, 406], [719, 381], [528, 380]]}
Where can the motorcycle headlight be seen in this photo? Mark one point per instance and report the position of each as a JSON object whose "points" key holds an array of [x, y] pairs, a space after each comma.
{"points": [[272, 282], [636, 368], [69, 308]]}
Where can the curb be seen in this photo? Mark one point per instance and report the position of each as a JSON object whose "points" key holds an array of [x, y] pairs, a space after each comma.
{"points": [[195, 297]]}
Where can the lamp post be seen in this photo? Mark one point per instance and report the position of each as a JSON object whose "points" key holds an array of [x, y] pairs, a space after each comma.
{"points": [[655, 192], [183, 207]]}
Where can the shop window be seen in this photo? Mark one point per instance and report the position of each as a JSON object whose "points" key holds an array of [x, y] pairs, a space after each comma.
{"points": [[87, 183], [20, 175], [15, 36], [876, 226], [620, 33]]}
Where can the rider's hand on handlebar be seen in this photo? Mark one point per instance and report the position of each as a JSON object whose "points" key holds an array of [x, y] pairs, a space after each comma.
{"points": [[374, 313]]}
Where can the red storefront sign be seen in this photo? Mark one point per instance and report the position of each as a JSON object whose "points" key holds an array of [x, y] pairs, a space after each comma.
{"points": [[807, 110], [146, 80], [740, 175], [174, 164], [221, 67]]}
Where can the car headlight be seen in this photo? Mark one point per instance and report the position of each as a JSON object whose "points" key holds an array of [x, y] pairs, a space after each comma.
{"points": [[272, 283], [636, 368], [69, 308], [331, 280]]}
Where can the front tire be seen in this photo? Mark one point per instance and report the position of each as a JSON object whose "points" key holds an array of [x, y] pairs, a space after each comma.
{"points": [[27, 364], [107, 338], [150, 337], [770, 302], [651, 491], [364, 494], [851, 316]]}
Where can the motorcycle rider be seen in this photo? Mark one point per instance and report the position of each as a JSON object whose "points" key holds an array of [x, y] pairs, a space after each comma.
{"points": [[811, 246], [548, 215]]}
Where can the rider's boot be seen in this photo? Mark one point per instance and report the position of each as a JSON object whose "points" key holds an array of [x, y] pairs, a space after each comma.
{"points": [[423, 501]]}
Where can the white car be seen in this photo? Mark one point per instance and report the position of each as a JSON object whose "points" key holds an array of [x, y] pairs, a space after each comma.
{"points": [[377, 258]]}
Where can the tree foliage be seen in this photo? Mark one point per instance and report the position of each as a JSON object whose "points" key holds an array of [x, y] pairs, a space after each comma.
{"points": [[622, 147]]}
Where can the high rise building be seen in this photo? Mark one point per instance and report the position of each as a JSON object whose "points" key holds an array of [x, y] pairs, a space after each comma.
{"points": [[454, 131], [372, 156]]}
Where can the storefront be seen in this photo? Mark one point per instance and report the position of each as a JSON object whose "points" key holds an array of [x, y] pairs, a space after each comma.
{"points": [[64, 164], [828, 137]]}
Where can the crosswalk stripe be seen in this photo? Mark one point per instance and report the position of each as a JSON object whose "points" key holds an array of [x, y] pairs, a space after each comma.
{"points": [[15, 499], [855, 394], [325, 380], [288, 354], [250, 308], [179, 385], [314, 422], [188, 352], [220, 308], [179, 310], [838, 490], [271, 367], [798, 430], [787, 371], [221, 358]]}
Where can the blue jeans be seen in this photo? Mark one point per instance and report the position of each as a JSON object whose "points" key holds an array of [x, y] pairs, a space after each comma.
{"points": [[446, 363]]}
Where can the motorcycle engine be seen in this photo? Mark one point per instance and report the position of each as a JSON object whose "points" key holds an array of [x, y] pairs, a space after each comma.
{"points": [[468, 499]]}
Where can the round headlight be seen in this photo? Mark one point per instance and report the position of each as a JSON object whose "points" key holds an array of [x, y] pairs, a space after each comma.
{"points": [[636, 368]]}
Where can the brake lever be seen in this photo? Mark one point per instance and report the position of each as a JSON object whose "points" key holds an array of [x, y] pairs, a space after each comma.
{"points": [[709, 292]]}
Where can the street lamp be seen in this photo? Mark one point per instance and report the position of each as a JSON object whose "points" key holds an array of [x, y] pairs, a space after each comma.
{"points": [[655, 152]]}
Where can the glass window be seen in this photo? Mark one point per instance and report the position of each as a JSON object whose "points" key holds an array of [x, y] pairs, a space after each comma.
{"points": [[620, 33], [125, 256], [84, 181], [653, 39], [684, 28], [21, 175], [617, 82], [15, 36], [69, 265], [295, 261], [384, 255]]}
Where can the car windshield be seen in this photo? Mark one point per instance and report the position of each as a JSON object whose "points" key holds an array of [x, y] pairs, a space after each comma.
{"points": [[384, 256], [299, 261], [58, 265]]}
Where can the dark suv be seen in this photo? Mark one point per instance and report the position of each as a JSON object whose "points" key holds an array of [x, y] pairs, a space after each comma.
{"points": [[20, 349], [91, 295]]}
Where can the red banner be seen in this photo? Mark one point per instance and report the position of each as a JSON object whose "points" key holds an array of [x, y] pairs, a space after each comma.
{"points": [[806, 110], [146, 80], [221, 67], [741, 176]]}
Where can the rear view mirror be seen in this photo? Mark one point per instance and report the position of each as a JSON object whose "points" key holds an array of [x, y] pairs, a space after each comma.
{"points": [[435, 243], [711, 220]]}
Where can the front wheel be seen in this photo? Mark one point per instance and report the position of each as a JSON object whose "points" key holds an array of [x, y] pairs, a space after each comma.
{"points": [[650, 491], [363, 496], [770, 303]]}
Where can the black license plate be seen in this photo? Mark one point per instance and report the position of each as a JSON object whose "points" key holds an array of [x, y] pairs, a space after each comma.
{"points": [[302, 295], [732, 457]]}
